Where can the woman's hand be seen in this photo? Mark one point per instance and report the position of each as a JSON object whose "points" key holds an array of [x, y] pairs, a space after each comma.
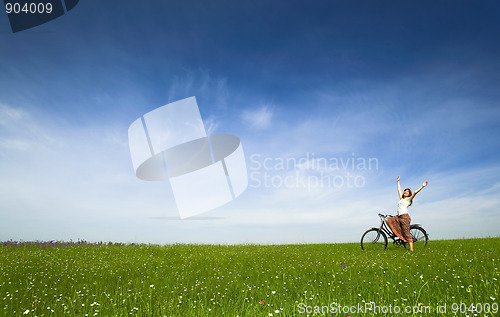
{"points": [[424, 184], [398, 178]]}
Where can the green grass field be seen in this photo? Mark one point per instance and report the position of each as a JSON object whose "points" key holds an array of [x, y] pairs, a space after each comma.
{"points": [[80, 279]]}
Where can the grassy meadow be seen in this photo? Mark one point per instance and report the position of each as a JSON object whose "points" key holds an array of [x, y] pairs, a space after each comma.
{"points": [[83, 279]]}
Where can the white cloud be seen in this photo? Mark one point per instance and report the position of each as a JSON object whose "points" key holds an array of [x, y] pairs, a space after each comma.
{"points": [[8, 114], [83, 180], [20, 131], [211, 92], [258, 118], [211, 124]]}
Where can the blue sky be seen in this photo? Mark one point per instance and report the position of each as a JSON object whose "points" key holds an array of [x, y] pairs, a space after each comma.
{"points": [[411, 84]]}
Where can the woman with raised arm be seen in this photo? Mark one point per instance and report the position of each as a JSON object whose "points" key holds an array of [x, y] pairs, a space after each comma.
{"points": [[400, 224]]}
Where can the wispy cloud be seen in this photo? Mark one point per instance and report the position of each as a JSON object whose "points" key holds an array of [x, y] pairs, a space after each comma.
{"points": [[20, 131], [211, 124], [9, 114], [260, 118], [211, 91], [85, 182]]}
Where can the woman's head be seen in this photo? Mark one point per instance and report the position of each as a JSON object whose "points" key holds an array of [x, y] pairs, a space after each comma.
{"points": [[406, 193]]}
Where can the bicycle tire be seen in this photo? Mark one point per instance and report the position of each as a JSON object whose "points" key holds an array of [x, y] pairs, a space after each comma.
{"points": [[373, 239], [419, 236]]}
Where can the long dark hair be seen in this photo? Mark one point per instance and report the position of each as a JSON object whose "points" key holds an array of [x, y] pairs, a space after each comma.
{"points": [[402, 195], [404, 192]]}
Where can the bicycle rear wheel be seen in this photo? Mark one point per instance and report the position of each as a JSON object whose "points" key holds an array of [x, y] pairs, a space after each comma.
{"points": [[374, 239], [419, 237]]}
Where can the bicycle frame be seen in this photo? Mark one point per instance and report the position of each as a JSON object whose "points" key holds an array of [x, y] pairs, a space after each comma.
{"points": [[384, 232], [389, 233], [385, 228]]}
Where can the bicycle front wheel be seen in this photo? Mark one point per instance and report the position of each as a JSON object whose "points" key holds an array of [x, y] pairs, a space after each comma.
{"points": [[419, 237], [374, 239]]}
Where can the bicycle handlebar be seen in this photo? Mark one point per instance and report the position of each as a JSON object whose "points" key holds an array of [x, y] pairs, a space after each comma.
{"points": [[383, 216]]}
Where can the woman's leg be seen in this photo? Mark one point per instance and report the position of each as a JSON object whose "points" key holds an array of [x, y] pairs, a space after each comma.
{"points": [[396, 227], [405, 220]]}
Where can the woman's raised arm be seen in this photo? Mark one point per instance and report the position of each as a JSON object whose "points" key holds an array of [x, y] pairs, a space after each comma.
{"points": [[423, 185], [400, 194]]}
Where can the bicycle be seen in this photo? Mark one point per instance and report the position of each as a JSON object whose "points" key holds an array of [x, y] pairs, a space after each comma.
{"points": [[376, 238]]}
